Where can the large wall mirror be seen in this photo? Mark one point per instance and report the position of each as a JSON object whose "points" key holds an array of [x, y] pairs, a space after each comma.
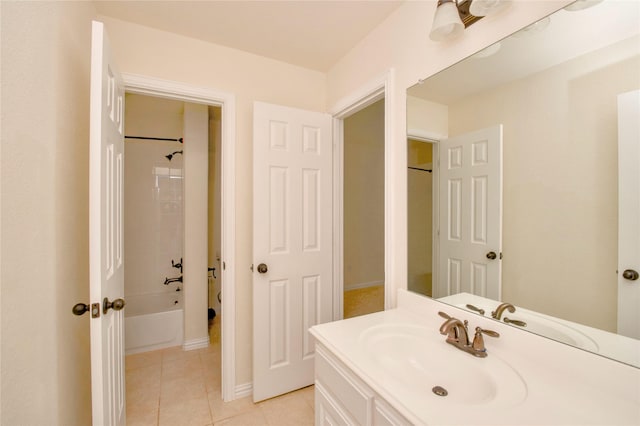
{"points": [[513, 174]]}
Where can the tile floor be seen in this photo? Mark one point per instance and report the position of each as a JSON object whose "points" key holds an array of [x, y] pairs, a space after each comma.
{"points": [[174, 387]]}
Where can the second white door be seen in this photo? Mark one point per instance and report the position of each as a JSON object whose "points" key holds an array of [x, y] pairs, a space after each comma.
{"points": [[292, 243], [471, 214]]}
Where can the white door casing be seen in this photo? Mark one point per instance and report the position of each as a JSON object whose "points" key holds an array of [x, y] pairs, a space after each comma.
{"points": [[106, 257], [470, 214], [628, 213], [292, 236]]}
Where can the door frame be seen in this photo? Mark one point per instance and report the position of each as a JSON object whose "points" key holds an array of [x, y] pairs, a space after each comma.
{"points": [[150, 86], [382, 87]]}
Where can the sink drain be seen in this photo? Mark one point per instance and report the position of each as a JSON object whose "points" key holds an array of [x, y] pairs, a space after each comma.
{"points": [[440, 391]]}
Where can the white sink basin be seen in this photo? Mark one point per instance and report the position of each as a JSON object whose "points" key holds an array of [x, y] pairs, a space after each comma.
{"points": [[420, 359]]}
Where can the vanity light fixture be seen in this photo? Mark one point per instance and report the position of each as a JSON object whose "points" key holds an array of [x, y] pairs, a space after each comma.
{"points": [[446, 22], [453, 16]]}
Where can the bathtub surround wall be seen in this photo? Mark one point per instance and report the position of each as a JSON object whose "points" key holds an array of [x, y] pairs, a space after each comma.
{"points": [[153, 195], [196, 170]]}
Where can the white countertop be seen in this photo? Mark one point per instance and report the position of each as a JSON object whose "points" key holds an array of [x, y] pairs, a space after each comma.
{"points": [[563, 385]]}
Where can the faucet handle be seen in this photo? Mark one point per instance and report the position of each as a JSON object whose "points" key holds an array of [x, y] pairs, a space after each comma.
{"points": [[478, 340], [444, 315]]}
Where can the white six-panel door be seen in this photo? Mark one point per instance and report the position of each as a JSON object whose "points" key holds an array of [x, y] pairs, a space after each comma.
{"points": [[106, 255], [471, 214], [292, 231], [629, 214]]}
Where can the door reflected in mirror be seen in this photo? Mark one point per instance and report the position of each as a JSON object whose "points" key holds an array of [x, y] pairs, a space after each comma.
{"points": [[555, 92]]}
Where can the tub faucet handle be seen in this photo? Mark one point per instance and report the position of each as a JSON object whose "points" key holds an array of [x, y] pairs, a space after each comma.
{"points": [[177, 265]]}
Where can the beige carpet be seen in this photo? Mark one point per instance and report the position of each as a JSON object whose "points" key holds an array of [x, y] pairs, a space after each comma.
{"points": [[362, 301]]}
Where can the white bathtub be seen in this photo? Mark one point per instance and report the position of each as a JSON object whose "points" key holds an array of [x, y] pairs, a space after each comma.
{"points": [[153, 321]]}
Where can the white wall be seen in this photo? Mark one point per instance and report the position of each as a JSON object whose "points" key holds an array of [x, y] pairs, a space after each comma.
{"points": [[196, 175], [153, 194], [401, 42], [45, 220]]}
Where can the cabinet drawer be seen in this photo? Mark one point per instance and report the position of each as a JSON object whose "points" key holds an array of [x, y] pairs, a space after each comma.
{"points": [[354, 397]]}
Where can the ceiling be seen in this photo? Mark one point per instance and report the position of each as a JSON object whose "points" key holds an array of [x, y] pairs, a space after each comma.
{"points": [[313, 34]]}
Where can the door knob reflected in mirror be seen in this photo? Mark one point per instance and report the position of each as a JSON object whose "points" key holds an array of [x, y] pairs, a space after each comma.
{"points": [[116, 305], [262, 268], [492, 255], [630, 274]]}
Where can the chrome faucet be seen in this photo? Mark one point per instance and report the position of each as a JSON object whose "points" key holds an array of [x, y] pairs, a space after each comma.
{"points": [[501, 308], [457, 333]]}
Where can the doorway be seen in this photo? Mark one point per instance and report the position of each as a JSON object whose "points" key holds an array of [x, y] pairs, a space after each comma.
{"points": [[143, 85], [421, 215], [364, 210], [165, 137]]}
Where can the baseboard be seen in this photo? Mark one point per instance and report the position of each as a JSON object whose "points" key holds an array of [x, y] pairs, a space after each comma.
{"points": [[243, 390], [190, 345], [354, 286]]}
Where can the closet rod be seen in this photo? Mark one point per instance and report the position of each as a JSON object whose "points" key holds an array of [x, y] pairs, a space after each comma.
{"points": [[418, 168], [154, 139]]}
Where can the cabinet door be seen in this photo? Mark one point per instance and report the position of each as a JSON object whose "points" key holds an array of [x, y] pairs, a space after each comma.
{"points": [[328, 411], [384, 415]]}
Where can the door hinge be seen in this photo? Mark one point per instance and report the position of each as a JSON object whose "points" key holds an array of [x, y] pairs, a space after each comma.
{"points": [[224, 266], [251, 267]]}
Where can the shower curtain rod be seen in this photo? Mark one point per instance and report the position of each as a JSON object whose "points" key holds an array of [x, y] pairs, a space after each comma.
{"points": [[154, 139], [418, 168]]}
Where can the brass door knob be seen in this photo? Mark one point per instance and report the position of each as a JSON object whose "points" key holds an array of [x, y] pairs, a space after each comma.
{"points": [[492, 255], [630, 274], [262, 268], [116, 305], [80, 308]]}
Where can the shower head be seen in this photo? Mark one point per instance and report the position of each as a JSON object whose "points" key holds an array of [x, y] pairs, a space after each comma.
{"points": [[170, 156]]}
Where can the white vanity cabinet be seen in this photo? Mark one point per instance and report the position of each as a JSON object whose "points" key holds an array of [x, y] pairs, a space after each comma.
{"points": [[341, 398]]}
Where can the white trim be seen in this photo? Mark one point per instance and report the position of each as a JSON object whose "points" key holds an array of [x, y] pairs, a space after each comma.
{"points": [[421, 135], [244, 390], [193, 344], [378, 88], [356, 286], [174, 90]]}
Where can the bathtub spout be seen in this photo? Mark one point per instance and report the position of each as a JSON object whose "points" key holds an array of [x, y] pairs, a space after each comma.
{"points": [[168, 281]]}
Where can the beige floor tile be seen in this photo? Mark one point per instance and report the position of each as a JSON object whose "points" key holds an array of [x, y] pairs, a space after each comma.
{"points": [[254, 417], [188, 412], [144, 359], [222, 410], [175, 387], [143, 378], [291, 409], [182, 388], [180, 368], [143, 400], [144, 418], [309, 395]]}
